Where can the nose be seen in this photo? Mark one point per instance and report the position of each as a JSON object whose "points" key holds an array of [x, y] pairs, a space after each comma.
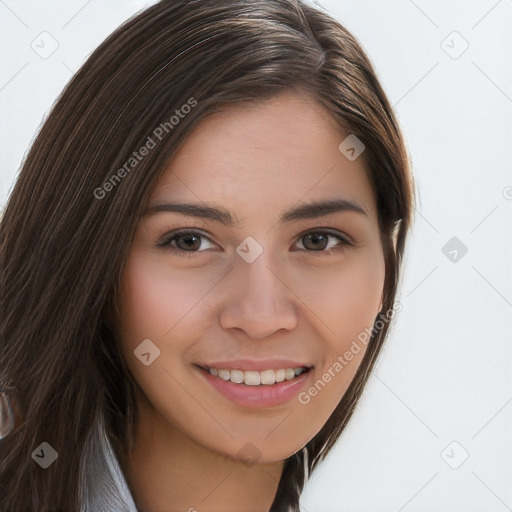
{"points": [[258, 302]]}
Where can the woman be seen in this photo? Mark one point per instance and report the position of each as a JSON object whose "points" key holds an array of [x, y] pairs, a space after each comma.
{"points": [[200, 261]]}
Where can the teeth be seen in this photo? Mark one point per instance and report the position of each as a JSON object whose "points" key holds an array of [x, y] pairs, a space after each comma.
{"points": [[237, 376], [280, 375], [251, 378], [267, 377], [255, 378]]}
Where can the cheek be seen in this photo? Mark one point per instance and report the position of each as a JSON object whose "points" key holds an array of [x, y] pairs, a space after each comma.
{"points": [[165, 305], [359, 292], [346, 301], [346, 297], [154, 299]]}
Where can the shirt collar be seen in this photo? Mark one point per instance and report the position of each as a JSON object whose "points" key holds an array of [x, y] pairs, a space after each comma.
{"points": [[103, 485]]}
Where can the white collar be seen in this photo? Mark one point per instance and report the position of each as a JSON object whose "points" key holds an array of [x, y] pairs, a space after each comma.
{"points": [[103, 485]]}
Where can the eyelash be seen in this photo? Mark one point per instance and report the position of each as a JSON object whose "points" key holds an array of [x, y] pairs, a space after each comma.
{"points": [[165, 242]]}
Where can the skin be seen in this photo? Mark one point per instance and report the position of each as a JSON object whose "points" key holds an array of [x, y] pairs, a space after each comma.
{"points": [[292, 302]]}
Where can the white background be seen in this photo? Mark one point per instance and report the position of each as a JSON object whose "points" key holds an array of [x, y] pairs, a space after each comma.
{"points": [[446, 372]]}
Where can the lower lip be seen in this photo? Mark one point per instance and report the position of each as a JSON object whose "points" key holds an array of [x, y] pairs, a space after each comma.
{"points": [[264, 395]]}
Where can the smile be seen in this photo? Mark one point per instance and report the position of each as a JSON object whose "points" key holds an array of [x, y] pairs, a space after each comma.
{"points": [[257, 388], [256, 378]]}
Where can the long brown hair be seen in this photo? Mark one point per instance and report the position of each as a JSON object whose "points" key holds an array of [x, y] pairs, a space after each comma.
{"points": [[65, 234]]}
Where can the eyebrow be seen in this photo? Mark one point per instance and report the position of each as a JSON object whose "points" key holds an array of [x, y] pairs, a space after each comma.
{"points": [[305, 211]]}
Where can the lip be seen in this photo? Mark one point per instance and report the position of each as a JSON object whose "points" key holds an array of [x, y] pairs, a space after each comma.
{"points": [[257, 396], [247, 364]]}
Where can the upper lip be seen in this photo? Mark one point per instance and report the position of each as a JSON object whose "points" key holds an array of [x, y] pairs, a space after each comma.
{"points": [[248, 364]]}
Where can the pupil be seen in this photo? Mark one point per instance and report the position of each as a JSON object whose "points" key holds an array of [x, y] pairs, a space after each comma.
{"points": [[316, 238], [189, 241]]}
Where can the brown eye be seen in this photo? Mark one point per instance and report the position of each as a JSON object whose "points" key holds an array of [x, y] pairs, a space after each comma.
{"points": [[318, 241], [183, 242], [315, 241], [188, 242]]}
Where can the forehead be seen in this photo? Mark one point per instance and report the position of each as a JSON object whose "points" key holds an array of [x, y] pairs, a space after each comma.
{"points": [[261, 157]]}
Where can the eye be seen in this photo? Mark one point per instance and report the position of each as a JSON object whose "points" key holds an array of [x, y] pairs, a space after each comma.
{"points": [[183, 243], [315, 242]]}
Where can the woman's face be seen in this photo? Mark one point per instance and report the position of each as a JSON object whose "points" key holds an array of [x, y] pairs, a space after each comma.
{"points": [[269, 291]]}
